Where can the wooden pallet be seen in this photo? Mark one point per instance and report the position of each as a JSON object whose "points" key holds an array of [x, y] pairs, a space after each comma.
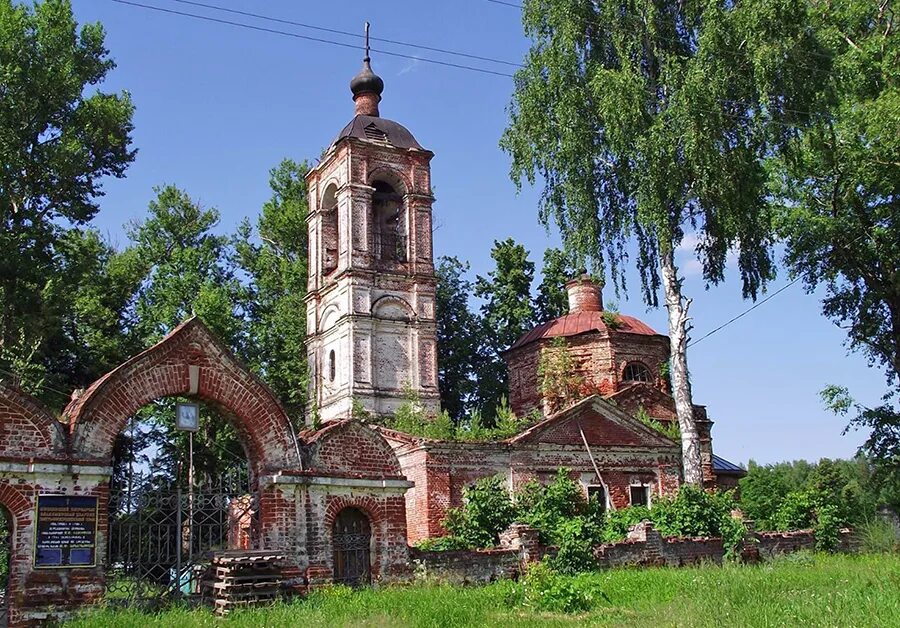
{"points": [[242, 578]]}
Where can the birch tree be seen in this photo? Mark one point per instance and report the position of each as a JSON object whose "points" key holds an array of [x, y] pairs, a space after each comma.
{"points": [[646, 120]]}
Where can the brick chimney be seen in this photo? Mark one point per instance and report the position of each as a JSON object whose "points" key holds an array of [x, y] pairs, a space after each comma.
{"points": [[584, 295]]}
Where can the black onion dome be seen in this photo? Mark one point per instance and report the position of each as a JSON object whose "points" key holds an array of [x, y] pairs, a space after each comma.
{"points": [[366, 81]]}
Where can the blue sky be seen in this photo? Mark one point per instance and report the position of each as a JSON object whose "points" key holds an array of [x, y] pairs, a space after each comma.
{"points": [[218, 105]]}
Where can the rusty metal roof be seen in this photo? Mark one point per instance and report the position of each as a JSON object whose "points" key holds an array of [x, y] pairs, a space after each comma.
{"points": [[582, 323], [379, 130]]}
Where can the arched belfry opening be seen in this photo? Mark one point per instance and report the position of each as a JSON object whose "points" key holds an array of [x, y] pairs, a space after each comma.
{"points": [[388, 224], [330, 230]]}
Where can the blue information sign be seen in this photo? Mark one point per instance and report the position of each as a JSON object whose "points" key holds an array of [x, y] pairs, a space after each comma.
{"points": [[66, 531]]}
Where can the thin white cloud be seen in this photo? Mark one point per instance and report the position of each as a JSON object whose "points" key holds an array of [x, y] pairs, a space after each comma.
{"points": [[688, 243], [411, 65], [692, 268]]}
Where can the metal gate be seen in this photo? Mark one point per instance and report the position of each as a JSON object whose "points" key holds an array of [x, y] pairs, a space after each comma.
{"points": [[160, 537], [352, 538]]}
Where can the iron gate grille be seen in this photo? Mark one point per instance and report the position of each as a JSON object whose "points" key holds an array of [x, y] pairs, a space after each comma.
{"points": [[352, 539], [160, 537]]}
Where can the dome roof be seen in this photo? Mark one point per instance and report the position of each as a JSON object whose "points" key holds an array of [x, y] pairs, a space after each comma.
{"points": [[581, 323], [366, 81], [378, 130]]}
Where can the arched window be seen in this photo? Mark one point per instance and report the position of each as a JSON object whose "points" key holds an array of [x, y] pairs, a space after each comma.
{"points": [[330, 234], [388, 224], [636, 372], [332, 366]]}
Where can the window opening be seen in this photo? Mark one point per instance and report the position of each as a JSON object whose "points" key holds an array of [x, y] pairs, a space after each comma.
{"points": [[636, 372], [332, 366], [640, 496]]}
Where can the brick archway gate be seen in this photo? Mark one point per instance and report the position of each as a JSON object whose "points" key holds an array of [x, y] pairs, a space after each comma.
{"points": [[182, 525]]}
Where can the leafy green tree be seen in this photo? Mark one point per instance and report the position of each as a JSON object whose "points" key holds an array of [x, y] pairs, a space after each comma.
{"points": [[552, 300], [457, 337], [277, 270], [838, 194], [791, 495], [92, 291], [59, 137], [649, 119], [506, 314], [188, 270]]}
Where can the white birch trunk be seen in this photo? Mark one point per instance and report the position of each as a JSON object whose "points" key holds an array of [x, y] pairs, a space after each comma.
{"points": [[677, 307]]}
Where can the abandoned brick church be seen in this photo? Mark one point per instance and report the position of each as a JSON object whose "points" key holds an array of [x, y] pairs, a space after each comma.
{"points": [[342, 501]]}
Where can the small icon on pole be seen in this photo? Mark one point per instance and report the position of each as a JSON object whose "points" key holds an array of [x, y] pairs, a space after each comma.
{"points": [[187, 416]]}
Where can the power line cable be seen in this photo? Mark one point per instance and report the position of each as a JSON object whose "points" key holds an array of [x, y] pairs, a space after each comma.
{"points": [[16, 376], [321, 40], [745, 312], [508, 4], [771, 296], [389, 53], [347, 33]]}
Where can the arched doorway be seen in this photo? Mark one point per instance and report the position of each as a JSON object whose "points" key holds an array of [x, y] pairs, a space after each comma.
{"points": [[6, 533], [352, 541]]}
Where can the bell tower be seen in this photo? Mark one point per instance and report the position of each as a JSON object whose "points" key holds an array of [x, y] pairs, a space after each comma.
{"points": [[371, 294]]}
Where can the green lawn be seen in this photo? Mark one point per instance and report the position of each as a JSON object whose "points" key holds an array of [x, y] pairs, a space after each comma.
{"points": [[801, 590]]}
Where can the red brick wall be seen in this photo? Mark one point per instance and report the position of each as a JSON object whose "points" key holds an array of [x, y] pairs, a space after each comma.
{"points": [[442, 471], [27, 428], [348, 447]]}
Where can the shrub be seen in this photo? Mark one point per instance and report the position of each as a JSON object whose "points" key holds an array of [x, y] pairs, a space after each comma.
{"points": [[545, 590], [576, 539], [618, 522], [878, 536], [564, 518], [795, 512], [827, 529], [488, 510], [545, 507], [696, 512]]}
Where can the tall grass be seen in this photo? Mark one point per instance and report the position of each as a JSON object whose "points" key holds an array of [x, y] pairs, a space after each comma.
{"points": [[802, 590]]}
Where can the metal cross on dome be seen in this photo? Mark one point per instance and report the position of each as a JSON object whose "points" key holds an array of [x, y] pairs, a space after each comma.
{"points": [[367, 41]]}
